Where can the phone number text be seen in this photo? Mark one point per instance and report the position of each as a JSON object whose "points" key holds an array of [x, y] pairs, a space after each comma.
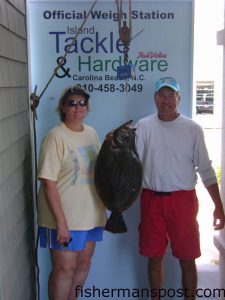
{"points": [[122, 87]]}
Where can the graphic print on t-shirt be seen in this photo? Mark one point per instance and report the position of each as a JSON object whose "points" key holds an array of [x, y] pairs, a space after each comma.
{"points": [[88, 155], [76, 166]]}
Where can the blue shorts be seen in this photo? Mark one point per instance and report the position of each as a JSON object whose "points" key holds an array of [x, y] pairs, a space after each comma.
{"points": [[78, 238]]}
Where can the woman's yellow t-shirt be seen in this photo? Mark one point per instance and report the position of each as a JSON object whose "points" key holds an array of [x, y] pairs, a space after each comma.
{"points": [[68, 157]]}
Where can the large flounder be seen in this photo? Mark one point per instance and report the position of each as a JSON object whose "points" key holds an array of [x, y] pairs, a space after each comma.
{"points": [[118, 174]]}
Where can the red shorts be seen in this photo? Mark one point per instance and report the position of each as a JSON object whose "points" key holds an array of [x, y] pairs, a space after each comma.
{"points": [[171, 218]]}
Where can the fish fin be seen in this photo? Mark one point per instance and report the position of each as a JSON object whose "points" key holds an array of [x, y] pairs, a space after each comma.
{"points": [[116, 223]]}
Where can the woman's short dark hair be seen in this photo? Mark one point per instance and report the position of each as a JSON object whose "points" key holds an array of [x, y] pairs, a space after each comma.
{"points": [[74, 90]]}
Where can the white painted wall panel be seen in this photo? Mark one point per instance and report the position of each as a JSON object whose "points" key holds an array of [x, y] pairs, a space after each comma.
{"points": [[12, 46], [16, 203], [13, 73]]}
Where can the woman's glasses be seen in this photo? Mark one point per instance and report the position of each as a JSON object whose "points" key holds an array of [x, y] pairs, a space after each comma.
{"points": [[75, 103]]}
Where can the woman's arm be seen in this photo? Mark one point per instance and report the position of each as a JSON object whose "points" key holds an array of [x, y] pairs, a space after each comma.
{"points": [[53, 200]]}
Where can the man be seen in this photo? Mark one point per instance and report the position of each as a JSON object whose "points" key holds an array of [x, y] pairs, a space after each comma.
{"points": [[172, 149]]}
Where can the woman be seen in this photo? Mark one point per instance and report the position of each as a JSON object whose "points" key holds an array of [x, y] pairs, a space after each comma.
{"points": [[71, 217]]}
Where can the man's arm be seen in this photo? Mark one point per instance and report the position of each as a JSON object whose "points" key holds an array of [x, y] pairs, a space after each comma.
{"points": [[218, 214]]}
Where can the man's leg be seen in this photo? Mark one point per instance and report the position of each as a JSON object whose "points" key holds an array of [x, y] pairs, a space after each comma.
{"points": [[189, 278], [153, 238], [155, 274], [183, 231]]}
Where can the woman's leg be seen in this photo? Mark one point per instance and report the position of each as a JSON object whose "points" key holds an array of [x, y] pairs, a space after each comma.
{"points": [[82, 270], [64, 264]]}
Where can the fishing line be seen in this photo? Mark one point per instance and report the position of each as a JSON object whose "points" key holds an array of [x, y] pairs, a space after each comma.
{"points": [[35, 100]]}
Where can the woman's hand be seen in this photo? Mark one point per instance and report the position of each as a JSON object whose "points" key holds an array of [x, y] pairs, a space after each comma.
{"points": [[63, 234]]}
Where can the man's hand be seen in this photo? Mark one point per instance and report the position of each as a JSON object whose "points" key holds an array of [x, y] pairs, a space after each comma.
{"points": [[218, 219], [218, 214]]}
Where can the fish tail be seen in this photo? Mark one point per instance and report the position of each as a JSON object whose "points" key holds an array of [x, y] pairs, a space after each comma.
{"points": [[116, 223]]}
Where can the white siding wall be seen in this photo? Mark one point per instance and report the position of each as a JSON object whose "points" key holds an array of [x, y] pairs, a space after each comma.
{"points": [[16, 206], [219, 240]]}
